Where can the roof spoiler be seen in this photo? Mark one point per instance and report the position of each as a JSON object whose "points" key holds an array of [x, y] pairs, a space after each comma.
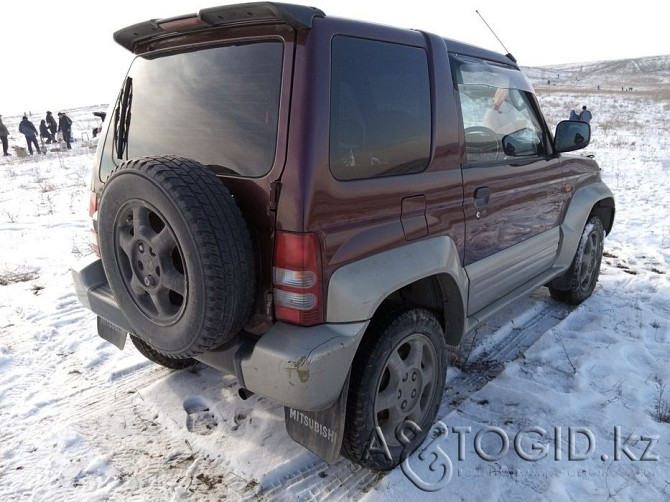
{"points": [[296, 16]]}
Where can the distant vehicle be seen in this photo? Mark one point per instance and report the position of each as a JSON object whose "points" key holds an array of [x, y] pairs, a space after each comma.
{"points": [[320, 206]]}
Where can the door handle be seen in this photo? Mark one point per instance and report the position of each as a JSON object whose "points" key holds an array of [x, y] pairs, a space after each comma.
{"points": [[482, 195]]}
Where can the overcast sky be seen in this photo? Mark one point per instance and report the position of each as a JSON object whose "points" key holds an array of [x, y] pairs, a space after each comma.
{"points": [[60, 54]]}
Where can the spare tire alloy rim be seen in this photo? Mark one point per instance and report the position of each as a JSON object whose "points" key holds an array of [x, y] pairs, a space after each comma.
{"points": [[406, 385], [151, 262]]}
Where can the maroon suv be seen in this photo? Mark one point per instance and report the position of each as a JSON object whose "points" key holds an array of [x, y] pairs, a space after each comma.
{"points": [[320, 206]]}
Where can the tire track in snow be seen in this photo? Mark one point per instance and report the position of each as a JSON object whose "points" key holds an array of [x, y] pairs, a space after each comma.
{"points": [[509, 343], [317, 481], [37, 389]]}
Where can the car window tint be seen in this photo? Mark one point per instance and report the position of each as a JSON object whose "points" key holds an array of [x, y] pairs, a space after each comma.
{"points": [[218, 106], [380, 122]]}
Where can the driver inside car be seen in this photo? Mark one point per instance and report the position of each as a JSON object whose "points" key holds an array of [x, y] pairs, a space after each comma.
{"points": [[503, 117]]}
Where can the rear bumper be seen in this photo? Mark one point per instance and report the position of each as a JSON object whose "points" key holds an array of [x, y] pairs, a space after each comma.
{"points": [[301, 367]]}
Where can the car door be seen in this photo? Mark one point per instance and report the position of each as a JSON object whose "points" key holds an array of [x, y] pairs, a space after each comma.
{"points": [[513, 190]]}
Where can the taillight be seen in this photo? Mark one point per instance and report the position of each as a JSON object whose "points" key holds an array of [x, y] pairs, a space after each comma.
{"points": [[182, 24], [297, 279], [93, 213]]}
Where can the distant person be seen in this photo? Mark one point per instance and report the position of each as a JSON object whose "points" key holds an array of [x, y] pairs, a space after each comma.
{"points": [[65, 127], [27, 128], [45, 134], [573, 115], [585, 115], [52, 125], [4, 132]]}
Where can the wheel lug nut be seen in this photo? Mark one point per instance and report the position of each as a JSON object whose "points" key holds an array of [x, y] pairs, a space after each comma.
{"points": [[149, 281], [403, 405], [414, 393], [404, 378], [141, 247], [414, 377]]}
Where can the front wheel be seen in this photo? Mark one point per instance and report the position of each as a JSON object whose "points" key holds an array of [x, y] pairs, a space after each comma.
{"points": [[396, 387], [577, 284]]}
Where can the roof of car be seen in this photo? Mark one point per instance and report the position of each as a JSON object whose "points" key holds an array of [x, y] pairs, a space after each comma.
{"points": [[296, 16]]}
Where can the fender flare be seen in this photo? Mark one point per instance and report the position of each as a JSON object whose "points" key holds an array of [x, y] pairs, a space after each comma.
{"points": [[581, 206], [356, 290]]}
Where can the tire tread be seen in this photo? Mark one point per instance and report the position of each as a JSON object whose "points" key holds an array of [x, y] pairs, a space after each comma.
{"points": [[223, 240]]}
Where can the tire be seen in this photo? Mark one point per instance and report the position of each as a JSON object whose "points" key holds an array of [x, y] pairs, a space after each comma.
{"points": [[177, 254], [397, 376], [158, 358], [578, 283]]}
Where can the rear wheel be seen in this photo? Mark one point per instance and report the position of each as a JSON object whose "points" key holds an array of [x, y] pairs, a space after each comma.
{"points": [[396, 387], [578, 283]]}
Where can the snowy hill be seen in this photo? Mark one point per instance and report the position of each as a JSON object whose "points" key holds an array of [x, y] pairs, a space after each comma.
{"points": [[648, 73]]}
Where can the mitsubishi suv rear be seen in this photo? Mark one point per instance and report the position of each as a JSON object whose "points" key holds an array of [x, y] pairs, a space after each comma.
{"points": [[321, 206]]}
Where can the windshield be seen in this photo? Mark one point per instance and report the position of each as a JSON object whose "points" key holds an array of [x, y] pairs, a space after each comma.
{"points": [[217, 106]]}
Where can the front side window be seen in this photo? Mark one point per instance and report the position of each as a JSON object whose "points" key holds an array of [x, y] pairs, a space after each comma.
{"points": [[380, 114], [498, 117], [218, 106]]}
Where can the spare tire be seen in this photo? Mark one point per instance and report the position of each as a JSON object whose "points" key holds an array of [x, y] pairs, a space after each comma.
{"points": [[177, 254]]}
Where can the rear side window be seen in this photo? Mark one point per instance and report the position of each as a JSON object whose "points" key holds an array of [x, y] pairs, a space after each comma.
{"points": [[218, 106], [380, 114]]}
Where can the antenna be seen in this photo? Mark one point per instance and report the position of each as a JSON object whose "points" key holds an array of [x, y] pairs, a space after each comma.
{"points": [[509, 55]]}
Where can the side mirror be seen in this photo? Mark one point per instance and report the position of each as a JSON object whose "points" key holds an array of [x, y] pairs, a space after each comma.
{"points": [[571, 135], [523, 143]]}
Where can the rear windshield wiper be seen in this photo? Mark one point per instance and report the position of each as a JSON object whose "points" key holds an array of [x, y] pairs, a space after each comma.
{"points": [[122, 118]]}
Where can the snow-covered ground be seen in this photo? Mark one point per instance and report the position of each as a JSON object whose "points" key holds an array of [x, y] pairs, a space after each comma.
{"points": [[82, 420]]}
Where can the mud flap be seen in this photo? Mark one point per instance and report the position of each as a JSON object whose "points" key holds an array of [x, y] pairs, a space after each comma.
{"points": [[112, 333], [320, 432]]}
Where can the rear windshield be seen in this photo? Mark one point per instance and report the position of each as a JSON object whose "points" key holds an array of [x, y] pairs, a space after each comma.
{"points": [[217, 106]]}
